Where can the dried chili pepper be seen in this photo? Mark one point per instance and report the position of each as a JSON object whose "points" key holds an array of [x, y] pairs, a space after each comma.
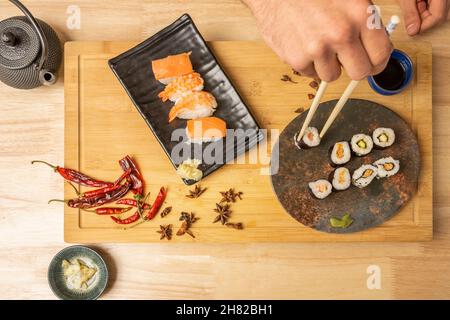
{"points": [[157, 204], [109, 211], [76, 176], [135, 176], [133, 218], [123, 176], [101, 191], [96, 201], [137, 215], [132, 202]]}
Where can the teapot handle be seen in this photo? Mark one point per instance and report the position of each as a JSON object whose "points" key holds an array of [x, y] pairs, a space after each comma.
{"points": [[46, 76]]}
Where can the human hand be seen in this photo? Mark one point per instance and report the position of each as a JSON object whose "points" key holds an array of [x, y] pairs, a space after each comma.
{"points": [[319, 37], [421, 15]]}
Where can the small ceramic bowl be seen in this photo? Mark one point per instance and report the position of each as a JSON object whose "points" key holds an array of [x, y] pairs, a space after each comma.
{"points": [[58, 283], [408, 68]]}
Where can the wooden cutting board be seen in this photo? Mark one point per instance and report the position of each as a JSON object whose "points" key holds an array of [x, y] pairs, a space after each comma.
{"points": [[102, 125]]}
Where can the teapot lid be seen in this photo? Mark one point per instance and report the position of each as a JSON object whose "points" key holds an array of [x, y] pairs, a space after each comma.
{"points": [[19, 43]]}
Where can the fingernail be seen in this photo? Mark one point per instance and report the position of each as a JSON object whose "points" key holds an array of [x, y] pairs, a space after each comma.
{"points": [[412, 29]]}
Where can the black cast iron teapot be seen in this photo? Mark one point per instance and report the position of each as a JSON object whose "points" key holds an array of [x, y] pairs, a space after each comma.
{"points": [[30, 51]]}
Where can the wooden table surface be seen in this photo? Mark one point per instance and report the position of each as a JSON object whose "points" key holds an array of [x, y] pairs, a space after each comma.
{"points": [[31, 126]]}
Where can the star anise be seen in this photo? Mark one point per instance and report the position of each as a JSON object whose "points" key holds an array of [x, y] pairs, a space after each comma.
{"points": [[196, 193], [185, 228], [237, 225], [286, 78], [166, 211], [224, 213], [314, 84], [166, 232], [230, 196], [188, 219]]}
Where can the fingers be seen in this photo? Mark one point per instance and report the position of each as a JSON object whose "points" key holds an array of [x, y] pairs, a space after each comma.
{"points": [[355, 61], [422, 7], [378, 46], [304, 66], [411, 16], [435, 15], [308, 71], [322, 65], [328, 67]]}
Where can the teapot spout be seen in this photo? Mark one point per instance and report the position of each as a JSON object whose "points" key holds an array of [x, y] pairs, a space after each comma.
{"points": [[47, 77]]}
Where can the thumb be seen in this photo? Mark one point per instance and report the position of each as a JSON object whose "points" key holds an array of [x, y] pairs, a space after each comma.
{"points": [[411, 16]]}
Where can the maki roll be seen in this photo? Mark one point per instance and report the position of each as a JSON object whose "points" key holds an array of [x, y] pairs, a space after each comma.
{"points": [[362, 144], [321, 189], [341, 179], [387, 167], [364, 175], [341, 153], [383, 137], [310, 139]]}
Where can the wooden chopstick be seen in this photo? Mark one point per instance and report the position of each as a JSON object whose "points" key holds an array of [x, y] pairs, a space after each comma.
{"points": [[312, 110], [341, 103], [393, 23]]}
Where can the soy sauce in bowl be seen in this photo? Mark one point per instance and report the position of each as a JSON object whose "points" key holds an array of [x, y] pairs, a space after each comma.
{"points": [[396, 77], [392, 77]]}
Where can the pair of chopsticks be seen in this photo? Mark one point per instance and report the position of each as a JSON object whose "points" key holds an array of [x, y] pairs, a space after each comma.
{"points": [[395, 20]]}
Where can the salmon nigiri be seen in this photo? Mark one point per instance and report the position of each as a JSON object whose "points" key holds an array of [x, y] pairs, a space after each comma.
{"points": [[171, 67], [182, 86], [196, 105], [206, 129]]}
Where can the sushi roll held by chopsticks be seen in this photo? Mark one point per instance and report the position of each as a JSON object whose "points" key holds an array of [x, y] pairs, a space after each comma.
{"points": [[310, 139]]}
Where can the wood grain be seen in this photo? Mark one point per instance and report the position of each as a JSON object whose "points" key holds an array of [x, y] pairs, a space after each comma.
{"points": [[32, 126], [100, 116]]}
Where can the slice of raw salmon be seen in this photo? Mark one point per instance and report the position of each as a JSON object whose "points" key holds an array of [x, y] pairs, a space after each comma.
{"points": [[206, 129], [166, 69]]}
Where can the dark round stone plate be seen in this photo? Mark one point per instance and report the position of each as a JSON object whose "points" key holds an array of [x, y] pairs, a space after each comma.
{"points": [[292, 169]]}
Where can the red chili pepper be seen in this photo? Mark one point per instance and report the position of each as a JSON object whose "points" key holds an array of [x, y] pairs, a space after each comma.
{"points": [[109, 211], [96, 201], [123, 176], [135, 175], [157, 204], [132, 202], [135, 217], [98, 192], [76, 176]]}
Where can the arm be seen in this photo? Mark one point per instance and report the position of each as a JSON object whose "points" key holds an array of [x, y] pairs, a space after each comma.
{"points": [[319, 37]]}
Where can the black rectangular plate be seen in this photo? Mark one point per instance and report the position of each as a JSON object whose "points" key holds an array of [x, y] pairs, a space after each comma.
{"points": [[134, 71]]}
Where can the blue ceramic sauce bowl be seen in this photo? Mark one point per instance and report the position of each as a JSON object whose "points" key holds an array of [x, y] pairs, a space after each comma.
{"points": [[400, 69]]}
